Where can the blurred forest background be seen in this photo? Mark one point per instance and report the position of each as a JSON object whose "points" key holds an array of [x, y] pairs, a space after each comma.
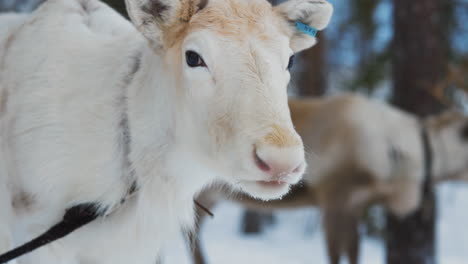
{"points": [[411, 53]]}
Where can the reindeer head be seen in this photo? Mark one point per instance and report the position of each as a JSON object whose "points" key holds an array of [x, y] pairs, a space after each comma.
{"points": [[449, 134], [231, 60]]}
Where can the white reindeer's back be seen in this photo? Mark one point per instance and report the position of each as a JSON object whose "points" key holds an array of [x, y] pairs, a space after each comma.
{"points": [[64, 75]]}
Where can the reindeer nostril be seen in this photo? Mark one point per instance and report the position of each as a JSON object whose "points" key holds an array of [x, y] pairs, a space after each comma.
{"points": [[261, 164]]}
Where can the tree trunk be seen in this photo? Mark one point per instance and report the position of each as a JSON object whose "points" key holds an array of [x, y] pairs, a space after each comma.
{"points": [[418, 55], [418, 66], [253, 222], [311, 77]]}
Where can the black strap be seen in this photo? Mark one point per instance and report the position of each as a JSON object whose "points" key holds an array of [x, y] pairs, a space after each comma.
{"points": [[428, 160], [74, 218], [203, 208]]}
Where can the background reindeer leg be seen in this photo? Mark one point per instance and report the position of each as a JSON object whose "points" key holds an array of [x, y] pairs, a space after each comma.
{"points": [[341, 234], [341, 226], [343, 199], [352, 241]]}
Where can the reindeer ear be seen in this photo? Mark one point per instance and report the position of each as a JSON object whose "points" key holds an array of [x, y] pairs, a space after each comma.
{"points": [[158, 19], [305, 17]]}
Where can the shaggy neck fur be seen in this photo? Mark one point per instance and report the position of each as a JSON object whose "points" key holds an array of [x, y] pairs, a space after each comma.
{"points": [[162, 155]]}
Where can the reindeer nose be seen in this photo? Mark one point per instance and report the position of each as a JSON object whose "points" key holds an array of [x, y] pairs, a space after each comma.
{"points": [[280, 162]]}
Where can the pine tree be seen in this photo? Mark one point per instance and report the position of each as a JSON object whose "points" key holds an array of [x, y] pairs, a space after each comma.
{"points": [[418, 66]]}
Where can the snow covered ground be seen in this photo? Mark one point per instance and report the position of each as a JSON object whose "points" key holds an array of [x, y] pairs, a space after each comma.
{"points": [[296, 238]]}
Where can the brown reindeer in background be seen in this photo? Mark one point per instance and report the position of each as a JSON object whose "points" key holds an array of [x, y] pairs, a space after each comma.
{"points": [[363, 152]]}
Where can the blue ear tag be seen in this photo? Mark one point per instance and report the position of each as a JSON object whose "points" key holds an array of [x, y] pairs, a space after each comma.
{"points": [[306, 29]]}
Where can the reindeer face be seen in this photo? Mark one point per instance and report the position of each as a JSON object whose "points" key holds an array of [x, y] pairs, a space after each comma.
{"points": [[232, 65]]}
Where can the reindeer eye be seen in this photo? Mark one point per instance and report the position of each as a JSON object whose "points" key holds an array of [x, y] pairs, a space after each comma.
{"points": [[291, 62], [194, 60]]}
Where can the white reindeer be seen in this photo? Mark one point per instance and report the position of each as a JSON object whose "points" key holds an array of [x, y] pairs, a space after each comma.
{"points": [[136, 122], [364, 152]]}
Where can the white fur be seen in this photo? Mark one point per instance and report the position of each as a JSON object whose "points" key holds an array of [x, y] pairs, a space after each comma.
{"points": [[66, 82]]}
